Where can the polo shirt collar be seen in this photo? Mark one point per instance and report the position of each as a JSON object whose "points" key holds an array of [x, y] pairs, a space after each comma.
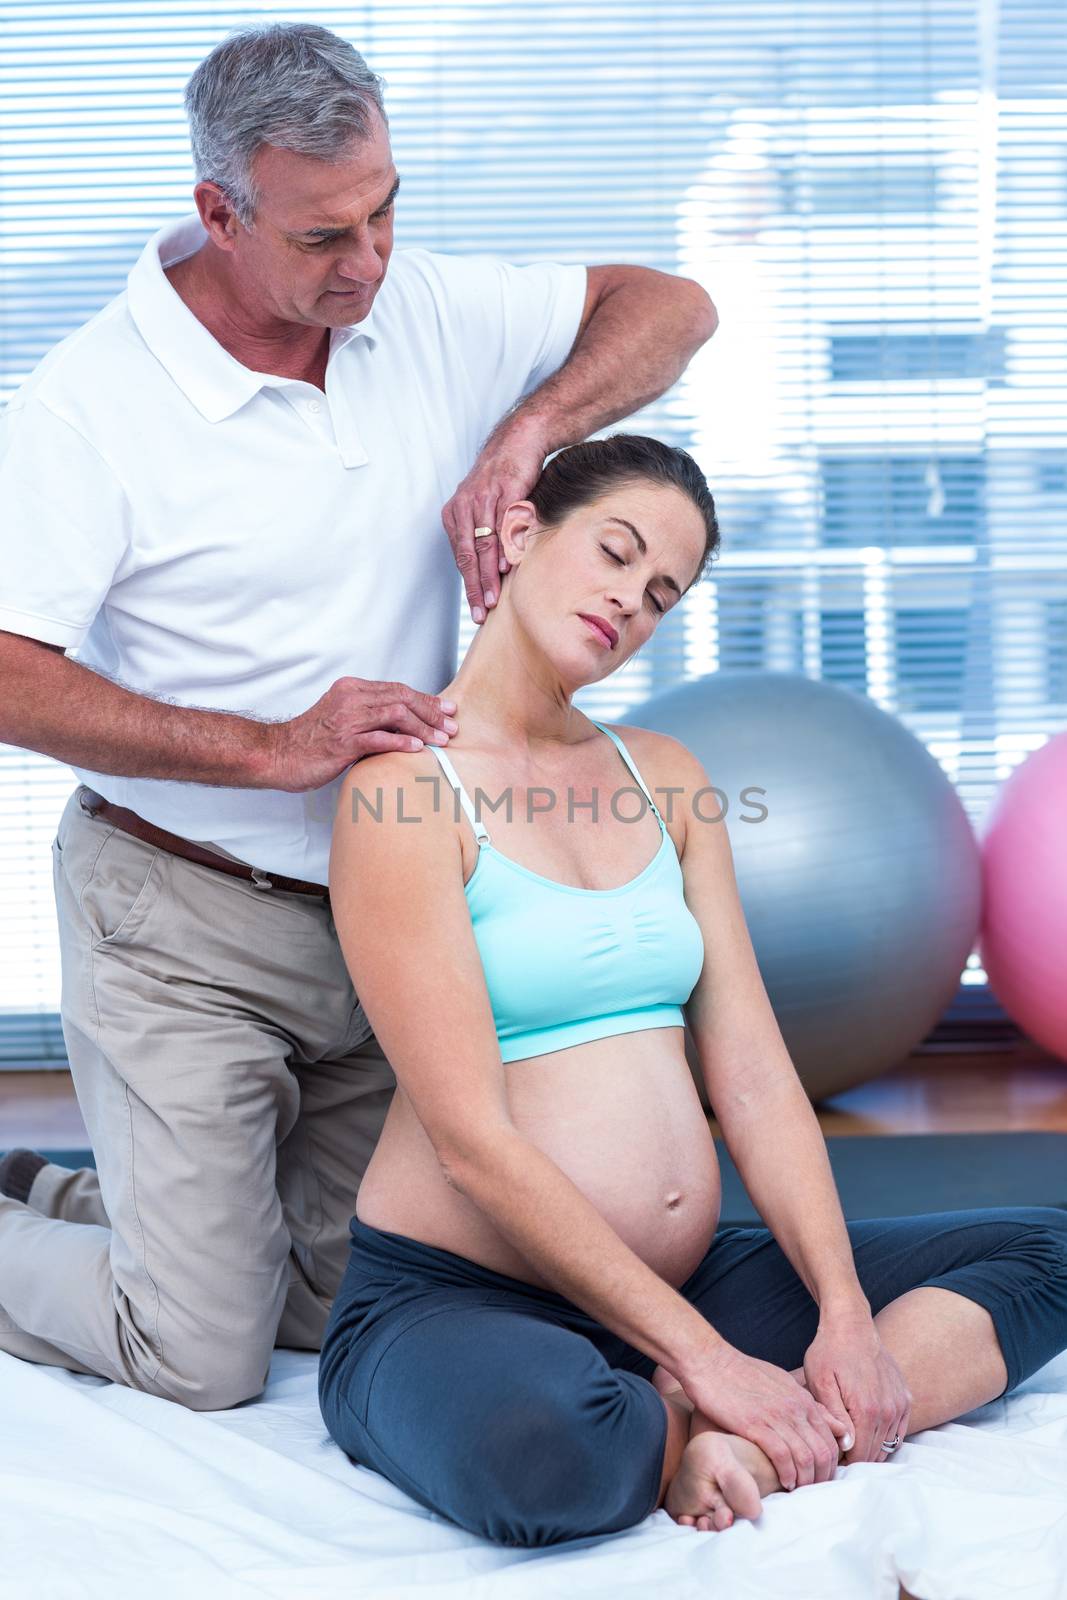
{"points": [[214, 380]]}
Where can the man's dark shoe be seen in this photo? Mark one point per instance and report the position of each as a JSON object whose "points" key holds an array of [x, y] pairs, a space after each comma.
{"points": [[17, 1172]]}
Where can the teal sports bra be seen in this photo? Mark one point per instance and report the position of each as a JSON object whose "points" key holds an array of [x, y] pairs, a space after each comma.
{"points": [[564, 964]]}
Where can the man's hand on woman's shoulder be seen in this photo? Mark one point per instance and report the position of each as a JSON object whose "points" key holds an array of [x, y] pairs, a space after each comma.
{"points": [[356, 717]]}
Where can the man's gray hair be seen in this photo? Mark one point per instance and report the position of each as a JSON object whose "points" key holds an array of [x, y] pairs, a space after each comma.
{"points": [[291, 84]]}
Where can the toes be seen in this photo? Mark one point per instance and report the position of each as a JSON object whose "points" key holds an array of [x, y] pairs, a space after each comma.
{"points": [[716, 1519], [741, 1491], [733, 1483], [720, 1484]]}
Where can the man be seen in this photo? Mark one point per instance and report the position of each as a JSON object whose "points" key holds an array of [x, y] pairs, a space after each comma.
{"points": [[225, 491]]}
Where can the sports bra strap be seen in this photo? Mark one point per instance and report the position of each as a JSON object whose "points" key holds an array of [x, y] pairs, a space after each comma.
{"points": [[630, 763], [480, 830]]}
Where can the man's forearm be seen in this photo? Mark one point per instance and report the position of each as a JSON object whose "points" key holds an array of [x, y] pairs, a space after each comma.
{"points": [[637, 343], [778, 1148], [62, 709]]}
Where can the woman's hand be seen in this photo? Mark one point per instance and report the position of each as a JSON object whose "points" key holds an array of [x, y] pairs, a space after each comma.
{"points": [[849, 1369], [759, 1401]]}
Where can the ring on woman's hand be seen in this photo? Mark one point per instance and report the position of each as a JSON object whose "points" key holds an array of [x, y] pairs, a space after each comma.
{"points": [[482, 533], [890, 1444]]}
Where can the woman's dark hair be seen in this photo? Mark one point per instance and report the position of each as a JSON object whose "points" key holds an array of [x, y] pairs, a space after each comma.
{"points": [[581, 473]]}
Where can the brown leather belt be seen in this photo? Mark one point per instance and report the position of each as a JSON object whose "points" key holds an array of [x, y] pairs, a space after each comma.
{"points": [[96, 806]]}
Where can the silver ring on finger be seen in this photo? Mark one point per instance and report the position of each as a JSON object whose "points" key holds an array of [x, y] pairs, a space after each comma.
{"points": [[483, 533], [890, 1444]]}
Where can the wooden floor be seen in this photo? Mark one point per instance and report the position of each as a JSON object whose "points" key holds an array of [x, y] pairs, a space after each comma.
{"points": [[1006, 1087]]}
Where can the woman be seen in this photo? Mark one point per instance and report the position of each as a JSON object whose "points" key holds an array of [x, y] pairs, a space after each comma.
{"points": [[539, 1333]]}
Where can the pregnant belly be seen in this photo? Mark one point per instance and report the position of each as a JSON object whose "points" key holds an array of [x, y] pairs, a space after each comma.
{"points": [[620, 1116]]}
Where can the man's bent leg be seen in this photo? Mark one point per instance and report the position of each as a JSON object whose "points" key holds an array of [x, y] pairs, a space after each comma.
{"points": [[185, 997], [69, 1194], [343, 1104], [344, 1099]]}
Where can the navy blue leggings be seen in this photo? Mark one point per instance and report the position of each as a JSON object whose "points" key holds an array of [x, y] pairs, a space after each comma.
{"points": [[511, 1412]]}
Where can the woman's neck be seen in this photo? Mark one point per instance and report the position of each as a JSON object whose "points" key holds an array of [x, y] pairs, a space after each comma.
{"points": [[508, 696]]}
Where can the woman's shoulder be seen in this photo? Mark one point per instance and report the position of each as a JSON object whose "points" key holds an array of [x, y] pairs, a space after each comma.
{"points": [[399, 774], [671, 771], [389, 817], [662, 753]]}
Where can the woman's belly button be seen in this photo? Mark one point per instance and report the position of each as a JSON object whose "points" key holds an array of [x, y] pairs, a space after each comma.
{"points": [[630, 1134], [675, 1234]]}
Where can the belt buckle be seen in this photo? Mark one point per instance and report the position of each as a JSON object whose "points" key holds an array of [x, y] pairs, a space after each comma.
{"points": [[260, 879]]}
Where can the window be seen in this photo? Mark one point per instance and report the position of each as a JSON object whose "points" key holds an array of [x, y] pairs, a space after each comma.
{"points": [[931, 647], [868, 191], [843, 649], [902, 500], [896, 354], [828, 191], [1055, 634]]}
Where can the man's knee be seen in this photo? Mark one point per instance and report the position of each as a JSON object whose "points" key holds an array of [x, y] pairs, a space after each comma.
{"points": [[214, 1380], [211, 1365]]}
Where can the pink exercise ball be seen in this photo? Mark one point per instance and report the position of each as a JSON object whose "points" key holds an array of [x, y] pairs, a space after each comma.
{"points": [[1023, 938]]}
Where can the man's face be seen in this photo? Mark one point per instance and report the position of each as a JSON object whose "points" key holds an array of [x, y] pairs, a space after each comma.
{"points": [[323, 233]]}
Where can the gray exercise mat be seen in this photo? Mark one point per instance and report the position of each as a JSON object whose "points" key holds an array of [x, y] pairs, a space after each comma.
{"points": [[896, 1175], [902, 1175]]}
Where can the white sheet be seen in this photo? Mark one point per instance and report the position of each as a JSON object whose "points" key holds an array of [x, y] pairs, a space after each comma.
{"points": [[108, 1492]]}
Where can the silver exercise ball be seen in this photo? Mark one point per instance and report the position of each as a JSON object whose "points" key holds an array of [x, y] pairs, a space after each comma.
{"points": [[857, 867]]}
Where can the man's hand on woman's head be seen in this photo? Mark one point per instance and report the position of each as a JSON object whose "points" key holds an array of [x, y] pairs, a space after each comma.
{"points": [[507, 468]]}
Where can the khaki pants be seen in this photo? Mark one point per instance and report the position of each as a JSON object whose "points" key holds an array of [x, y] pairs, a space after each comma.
{"points": [[233, 1092]]}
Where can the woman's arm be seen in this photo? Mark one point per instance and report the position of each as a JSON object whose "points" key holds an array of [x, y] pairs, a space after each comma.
{"points": [[405, 929], [770, 1129], [396, 887]]}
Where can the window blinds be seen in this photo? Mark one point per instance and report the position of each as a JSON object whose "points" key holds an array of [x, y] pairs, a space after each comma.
{"points": [[874, 192]]}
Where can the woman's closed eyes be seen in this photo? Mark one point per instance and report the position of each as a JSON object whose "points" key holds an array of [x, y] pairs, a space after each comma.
{"points": [[657, 608]]}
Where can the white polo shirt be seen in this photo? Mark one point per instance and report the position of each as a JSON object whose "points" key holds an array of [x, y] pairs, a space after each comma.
{"points": [[236, 541]]}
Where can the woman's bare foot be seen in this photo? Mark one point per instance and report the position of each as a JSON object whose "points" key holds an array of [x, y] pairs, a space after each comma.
{"points": [[721, 1476]]}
